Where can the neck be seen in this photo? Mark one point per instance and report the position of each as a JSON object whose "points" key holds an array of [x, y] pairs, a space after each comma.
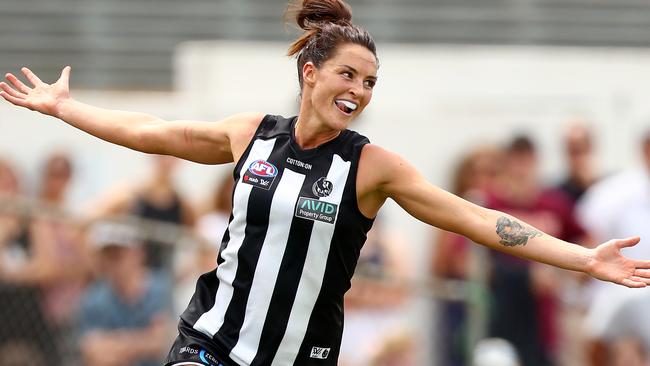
{"points": [[311, 131], [161, 178], [131, 290], [158, 184], [583, 178], [522, 191]]}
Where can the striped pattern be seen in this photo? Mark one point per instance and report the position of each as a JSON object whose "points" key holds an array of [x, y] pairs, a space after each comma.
{"points": [[268, 266], [278, 290], [210, 322], [312, 278]]}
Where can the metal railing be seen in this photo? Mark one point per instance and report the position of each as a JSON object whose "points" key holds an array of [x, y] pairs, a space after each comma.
{"points": [[129, 44]]}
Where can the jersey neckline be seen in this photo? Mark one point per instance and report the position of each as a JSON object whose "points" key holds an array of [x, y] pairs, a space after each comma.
{"points": [[314, 150]]}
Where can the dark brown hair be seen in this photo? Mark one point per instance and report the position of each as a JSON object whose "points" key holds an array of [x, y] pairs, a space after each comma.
{"points": [[521, 144], [327, 24]]}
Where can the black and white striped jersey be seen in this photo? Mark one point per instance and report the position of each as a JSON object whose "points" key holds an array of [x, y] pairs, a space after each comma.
{"points": [[287, 258]]}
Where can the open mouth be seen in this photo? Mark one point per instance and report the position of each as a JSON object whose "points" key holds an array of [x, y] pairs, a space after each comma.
{"points": [[345, 106]]}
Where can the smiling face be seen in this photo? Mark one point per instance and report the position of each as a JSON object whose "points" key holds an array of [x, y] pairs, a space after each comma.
{"points": [[341, 88]]}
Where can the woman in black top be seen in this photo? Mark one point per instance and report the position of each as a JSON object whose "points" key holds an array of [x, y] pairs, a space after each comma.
{"points": [[306, 190]]}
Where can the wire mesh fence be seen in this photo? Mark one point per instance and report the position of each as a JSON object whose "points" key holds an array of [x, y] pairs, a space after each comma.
{"points": [[110, 304]]}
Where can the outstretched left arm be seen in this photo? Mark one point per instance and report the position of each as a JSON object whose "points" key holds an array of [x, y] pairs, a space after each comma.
{"points": [[399, 180]]}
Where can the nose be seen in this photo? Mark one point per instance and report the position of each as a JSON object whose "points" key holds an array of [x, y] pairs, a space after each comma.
{"points": [[357, 90]]}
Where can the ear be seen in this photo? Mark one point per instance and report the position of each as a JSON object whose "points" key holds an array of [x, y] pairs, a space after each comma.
{"points": [[309, 73]]}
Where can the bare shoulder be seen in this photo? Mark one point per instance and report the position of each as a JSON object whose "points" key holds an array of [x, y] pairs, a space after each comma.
{"points": [[241, 128], [243, 123], [378, 168], [245, 118]]}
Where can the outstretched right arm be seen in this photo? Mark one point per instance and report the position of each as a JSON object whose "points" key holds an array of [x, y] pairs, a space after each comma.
{"points": [[202, 142]]}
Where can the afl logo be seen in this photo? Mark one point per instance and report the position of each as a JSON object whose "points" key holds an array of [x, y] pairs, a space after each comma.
{"points": [[263, 168], [322, 187]]}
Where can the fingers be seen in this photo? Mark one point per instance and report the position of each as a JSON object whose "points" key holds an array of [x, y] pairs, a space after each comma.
{"points": [[11, 99], [642, 272], [65, 75], [17, 84], [31, 76], [629, 242], [641, 279], [633, 284], [11, 91], [642, 265]]}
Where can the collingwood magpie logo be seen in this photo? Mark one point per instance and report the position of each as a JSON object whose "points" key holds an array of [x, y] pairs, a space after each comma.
{"points": [[315, 209], [322, 187]]}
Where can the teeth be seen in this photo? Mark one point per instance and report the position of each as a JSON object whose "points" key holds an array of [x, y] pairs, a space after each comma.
{"points": [[348, 104]]}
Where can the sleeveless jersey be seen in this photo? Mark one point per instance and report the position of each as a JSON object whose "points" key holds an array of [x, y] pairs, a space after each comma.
{"points": [[287, 258]]}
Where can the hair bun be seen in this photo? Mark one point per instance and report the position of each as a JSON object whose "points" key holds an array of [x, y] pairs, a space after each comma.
{"points": [[326, 24], [312, 14]]}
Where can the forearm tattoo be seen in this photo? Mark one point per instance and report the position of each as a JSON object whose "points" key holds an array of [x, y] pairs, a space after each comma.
{"points": [[512, 233]]}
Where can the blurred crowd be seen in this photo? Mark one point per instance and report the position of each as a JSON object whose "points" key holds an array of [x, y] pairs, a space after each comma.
{"points": [[537, 315], [105, 287]]}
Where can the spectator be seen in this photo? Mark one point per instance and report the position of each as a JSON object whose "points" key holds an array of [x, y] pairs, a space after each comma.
{"points": [[616, 205], [13, 228], [57, 261], [213, 223], [578, 147], [124, 317], [581, 174], [210, 228], [627, 333], [525, 310], [20, 304], [376, 301], [474, 179], [157, 199]]}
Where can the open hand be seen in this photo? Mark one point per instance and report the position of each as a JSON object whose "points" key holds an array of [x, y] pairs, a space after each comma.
{"points": [[608, 264], [41, 97]]}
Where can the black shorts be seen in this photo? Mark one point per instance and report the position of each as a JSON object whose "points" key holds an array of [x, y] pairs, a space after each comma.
{"points": [[195, 348]]}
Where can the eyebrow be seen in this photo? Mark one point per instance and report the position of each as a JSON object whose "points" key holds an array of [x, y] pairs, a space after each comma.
{"points": [[356, 72]]}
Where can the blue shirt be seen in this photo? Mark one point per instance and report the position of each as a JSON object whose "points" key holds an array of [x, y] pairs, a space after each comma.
{"points": [[102, 309]]}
